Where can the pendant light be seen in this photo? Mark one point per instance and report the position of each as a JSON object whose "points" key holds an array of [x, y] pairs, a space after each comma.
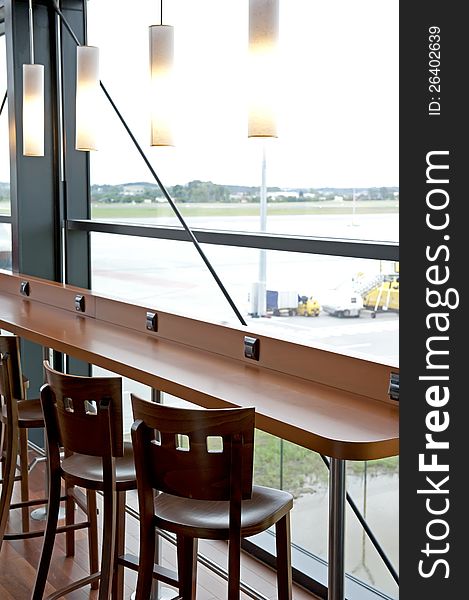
{"points": [[87, 98], [263, 37], [33, 100], [161, 97]]}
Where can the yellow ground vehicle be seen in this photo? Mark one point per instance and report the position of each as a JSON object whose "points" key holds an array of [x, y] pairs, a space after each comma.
{"points": [[384, 296], [308, 307]]}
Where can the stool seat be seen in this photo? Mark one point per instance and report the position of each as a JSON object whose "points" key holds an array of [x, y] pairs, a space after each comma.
{"points": [[87, 471], [29, 414], [210, 519]]}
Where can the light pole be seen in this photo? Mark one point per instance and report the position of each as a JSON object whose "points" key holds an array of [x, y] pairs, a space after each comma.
{"points": [[354, 202], [261, 285], [263, 75]]}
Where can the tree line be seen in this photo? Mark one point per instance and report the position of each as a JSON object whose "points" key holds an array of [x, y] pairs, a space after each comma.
{"points": [[208, 192]]}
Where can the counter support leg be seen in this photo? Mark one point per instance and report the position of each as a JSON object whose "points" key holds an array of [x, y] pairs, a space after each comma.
{"points": [[336, 573]]}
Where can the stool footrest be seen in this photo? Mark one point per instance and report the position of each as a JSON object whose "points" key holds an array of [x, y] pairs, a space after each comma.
{"points": [[79, 498], [29, 503], [40, 532], [33, 502], [17, 478], [160, 573], [74, 586]]}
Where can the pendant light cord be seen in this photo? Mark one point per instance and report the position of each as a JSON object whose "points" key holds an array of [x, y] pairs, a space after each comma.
{"points": [[31, 32], [161, 12]]}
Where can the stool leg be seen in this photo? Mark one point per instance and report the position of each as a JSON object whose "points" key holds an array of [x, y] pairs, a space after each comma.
{"points": [[283, 543], [93, 534], [69, 520], [118, 579], [234, 567], [146, 553], [49, 535], [9, 471], [24, 471], [2, 448], [187, 566], [109, 538]]}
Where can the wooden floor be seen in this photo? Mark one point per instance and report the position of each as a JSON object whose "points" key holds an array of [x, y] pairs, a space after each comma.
{"points": [[18, 560]]}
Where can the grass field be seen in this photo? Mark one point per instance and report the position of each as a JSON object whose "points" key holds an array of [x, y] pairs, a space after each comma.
{"points": [[122, 211], [133, 211], [302, 470]]}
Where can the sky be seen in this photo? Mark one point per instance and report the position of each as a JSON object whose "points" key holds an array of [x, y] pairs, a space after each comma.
{"points": [[336, 88]]}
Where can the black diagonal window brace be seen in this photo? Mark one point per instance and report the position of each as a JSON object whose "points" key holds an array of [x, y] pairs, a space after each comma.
{"points": [[3, 103], [161, 185]]}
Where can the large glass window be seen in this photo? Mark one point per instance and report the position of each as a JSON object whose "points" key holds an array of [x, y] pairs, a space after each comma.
{"points": [[333, 171], [5, 246], [169, 275], [321, 301], [373, 485]]}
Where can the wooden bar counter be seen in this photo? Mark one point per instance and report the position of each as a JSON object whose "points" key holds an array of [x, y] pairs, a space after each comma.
{"points": [[333, 421], [333, 404]]}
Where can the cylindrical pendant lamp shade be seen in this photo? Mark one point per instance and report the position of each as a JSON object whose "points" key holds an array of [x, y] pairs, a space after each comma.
{"points": [[87, 120], [33, 110], [263, 87], [161, 65]]}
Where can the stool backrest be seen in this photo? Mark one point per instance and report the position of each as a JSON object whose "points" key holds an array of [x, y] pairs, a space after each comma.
{"points": [[84, 413], [10, 392], [194, 453], [11, 378]]}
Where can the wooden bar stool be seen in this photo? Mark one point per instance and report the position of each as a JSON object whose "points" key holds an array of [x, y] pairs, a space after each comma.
{"points": [[201, 463], [17, 416], [84, 415]]}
